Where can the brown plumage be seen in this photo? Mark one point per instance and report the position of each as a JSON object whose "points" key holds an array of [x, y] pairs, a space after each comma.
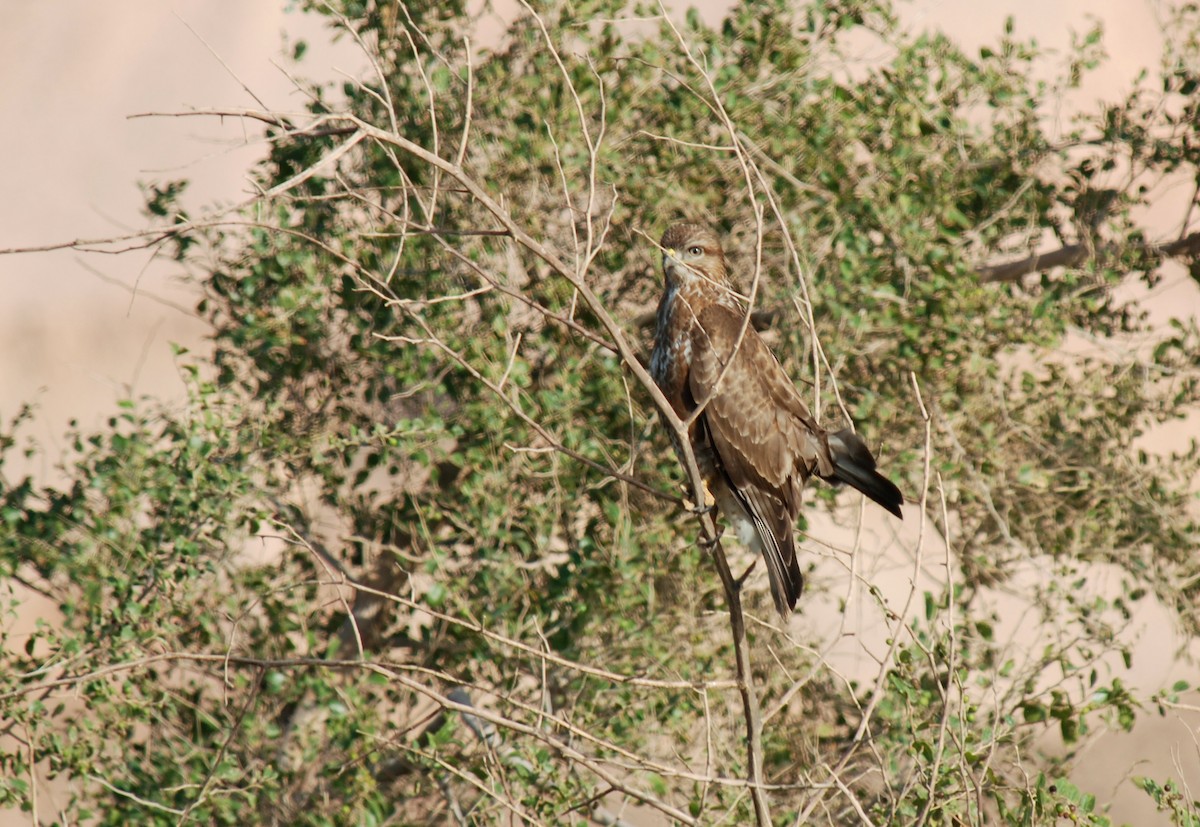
{"points": [[755, 441]]}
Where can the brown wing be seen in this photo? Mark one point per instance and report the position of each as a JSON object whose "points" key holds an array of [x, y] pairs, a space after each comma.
{"points": [[761, 432]]}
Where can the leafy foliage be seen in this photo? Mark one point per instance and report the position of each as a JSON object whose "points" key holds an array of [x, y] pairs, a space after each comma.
{"points": [[405, 396]]}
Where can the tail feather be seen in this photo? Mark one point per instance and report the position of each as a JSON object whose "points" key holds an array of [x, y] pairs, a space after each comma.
{"points": [[854, 465], [765, 525], [783, 572]]}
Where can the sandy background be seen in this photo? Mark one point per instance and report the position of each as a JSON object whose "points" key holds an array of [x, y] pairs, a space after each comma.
{"points": [[74, 342]]}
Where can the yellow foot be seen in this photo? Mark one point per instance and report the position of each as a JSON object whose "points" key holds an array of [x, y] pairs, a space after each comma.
{"points": [[709, 500]]}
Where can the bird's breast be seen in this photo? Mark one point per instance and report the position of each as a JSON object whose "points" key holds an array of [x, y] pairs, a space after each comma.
{"points": [[672, 354]]}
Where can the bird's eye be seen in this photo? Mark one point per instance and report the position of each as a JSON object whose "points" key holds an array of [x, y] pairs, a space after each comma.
{"points": [[696, 250]]}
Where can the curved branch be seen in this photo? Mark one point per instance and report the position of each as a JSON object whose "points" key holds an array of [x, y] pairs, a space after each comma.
{"points": [[710, 537]]}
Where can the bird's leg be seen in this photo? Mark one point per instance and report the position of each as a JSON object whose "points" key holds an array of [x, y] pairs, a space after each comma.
{"points": [[709, 507], [738, 582]]}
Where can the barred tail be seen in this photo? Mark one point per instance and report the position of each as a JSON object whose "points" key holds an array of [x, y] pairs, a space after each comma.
{"points": [[854, 465]]}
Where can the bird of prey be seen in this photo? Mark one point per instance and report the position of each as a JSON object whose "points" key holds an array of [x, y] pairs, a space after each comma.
{"points": [[755, 441]]}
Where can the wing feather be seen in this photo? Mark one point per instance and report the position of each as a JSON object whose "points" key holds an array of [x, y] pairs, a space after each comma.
{"points": [[761, 433], [760, 427]]}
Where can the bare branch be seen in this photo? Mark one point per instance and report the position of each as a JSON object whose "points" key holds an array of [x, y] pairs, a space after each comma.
{"points": [[1073, 255]]}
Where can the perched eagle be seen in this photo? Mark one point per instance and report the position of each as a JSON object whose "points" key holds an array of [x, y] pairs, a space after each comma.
{"points": [[755, 441]]}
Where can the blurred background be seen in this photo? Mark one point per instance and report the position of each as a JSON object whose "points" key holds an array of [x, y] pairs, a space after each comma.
{"points": [[80, 332]]}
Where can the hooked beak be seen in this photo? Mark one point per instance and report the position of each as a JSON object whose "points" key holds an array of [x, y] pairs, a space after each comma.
{"points": [[671, 261]]}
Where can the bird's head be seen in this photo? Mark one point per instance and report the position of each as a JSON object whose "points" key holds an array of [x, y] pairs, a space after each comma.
{"points": [[691, 255]]}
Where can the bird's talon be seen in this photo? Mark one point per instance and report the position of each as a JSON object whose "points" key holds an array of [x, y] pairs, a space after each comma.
{"points": [[709, 545], [710, 503]]}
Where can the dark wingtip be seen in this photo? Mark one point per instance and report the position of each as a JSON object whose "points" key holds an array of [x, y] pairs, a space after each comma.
{"points": [[854, 465], [895, 499], [882, 490]]}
